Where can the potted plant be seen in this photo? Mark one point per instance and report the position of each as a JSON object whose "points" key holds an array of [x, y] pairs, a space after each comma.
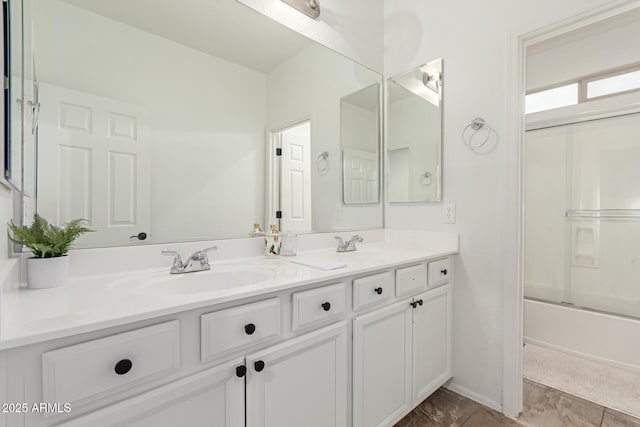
{"points": [[50, 244]]}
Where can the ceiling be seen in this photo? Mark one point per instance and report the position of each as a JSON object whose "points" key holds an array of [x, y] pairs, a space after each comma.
{"points": [[367, 98], [223, 28]]}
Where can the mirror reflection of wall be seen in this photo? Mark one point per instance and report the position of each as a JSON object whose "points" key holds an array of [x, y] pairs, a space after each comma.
{"points": [[414, 120], [359, 136], [148, 127]]}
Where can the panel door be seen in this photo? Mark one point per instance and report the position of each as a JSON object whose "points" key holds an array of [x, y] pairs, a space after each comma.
{"points": [[302, 382], [93, 163], [360, 176], [213, 398], [295, 192], [382, 366], [432, 356]]}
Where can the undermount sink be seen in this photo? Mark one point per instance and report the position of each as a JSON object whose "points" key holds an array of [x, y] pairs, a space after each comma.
{"points": [[220, 277]]}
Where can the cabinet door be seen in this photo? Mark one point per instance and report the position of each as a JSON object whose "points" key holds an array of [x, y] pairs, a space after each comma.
{"points": [[213, 398], [431, 342], [382, 366], [302, 382]]}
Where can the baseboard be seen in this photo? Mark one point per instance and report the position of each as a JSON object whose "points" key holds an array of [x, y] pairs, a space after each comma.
{"points": [[474, 396], [590, 357]]}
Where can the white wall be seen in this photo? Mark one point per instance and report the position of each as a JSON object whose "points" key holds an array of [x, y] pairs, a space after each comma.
{"points": [[577, 57], [200, 106], [353, 28], [310, 85], [476, 41]]}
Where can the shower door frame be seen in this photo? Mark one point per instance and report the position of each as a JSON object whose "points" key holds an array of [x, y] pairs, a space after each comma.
{"points": [[513, 245]]}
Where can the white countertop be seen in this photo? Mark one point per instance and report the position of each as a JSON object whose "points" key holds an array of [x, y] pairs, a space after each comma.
{"points": [[90, 303]]}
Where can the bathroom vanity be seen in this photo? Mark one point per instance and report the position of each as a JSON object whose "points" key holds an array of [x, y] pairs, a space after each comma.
{"points": [[357, 346]]}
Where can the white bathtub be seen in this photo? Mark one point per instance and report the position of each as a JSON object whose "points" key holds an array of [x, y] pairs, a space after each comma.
{"points": [[595, 336]]}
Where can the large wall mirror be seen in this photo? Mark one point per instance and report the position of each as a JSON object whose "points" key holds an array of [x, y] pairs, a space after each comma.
{"points": [[414, 130], [190, 120]]}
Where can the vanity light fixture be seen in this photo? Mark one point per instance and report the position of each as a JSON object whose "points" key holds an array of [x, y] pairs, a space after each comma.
{"points": [[311, 8]]}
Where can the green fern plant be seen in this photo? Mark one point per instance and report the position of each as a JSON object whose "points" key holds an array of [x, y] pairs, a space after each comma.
{"points": [[47, 240]]}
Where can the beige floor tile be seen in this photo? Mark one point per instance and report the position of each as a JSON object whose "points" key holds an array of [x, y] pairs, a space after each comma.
{"points": [[618, 419], [485, 417], [547, 407]]}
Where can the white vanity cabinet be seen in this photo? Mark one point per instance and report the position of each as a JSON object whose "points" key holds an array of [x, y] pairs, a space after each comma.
{"points": [[353, 351], [401, 354], [432, 334], [214, 397], [382, 365], [302, 382]]}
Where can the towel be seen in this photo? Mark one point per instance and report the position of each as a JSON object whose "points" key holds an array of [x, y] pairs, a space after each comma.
{"points": [[319, 263]]}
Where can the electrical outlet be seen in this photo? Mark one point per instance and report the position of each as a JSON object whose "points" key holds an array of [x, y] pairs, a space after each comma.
{"points": [[449, 213]]}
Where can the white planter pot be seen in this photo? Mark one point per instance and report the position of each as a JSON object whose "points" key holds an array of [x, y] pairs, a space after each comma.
{"points": [[47, 272]]}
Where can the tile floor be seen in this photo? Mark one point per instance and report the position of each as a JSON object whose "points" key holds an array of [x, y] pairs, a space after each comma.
{"points": [[608, 386], [543, 407]]}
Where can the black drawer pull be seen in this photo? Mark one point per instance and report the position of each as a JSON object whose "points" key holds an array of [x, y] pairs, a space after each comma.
{"points": [[241, 371], [378, 291], [123, 366], [420, 302], [326, 306], [413, 304], [444, 272], [249, 329], [258, 365]]}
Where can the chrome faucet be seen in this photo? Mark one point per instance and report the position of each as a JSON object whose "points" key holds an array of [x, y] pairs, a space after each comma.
{"points": [[348, 246], [198, 261]]}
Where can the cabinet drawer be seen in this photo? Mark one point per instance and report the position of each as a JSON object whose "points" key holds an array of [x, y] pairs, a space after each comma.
{"points": [[411, 279], [439, 272], [94, 369], [372, 290], [226, 331], [318, 305]]}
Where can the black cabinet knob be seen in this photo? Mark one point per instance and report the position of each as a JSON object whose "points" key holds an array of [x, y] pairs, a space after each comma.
{"points": [[139, 236], [444, 272], [241, 371], [420, 302], [258, 365], [249, 328], [326, 306], [123, 366], [378, 291], [413, 304]]}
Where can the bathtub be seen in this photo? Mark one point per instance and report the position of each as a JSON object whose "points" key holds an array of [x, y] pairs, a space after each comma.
{"points": [[588, 334]]}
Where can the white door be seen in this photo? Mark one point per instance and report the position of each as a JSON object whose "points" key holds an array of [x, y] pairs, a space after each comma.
{"points": [[93, 163], [214, 397], [360, 176], [302, 382], [431, 342], [382, 366], [295, 187]]}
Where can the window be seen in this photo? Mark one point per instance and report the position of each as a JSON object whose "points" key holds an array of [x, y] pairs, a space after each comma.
{"points": [[612, 85], [552, 98], [585, 89]]}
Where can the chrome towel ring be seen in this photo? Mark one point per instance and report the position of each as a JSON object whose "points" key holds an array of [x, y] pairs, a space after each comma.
{"points": [[477, 134]]}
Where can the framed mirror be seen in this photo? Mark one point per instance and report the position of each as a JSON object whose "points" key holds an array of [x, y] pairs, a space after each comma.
{"points": [[414, 131], [158, 129]]}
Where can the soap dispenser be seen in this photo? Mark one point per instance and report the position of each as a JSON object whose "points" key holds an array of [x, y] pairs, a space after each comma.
{"points": [[272, 242], [256, 231]]}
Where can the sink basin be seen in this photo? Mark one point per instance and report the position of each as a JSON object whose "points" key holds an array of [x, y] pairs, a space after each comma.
{"points": [[216, 279]]}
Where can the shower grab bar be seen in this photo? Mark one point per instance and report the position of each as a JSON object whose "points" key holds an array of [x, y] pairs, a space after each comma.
{"points": [[628, 214]]}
